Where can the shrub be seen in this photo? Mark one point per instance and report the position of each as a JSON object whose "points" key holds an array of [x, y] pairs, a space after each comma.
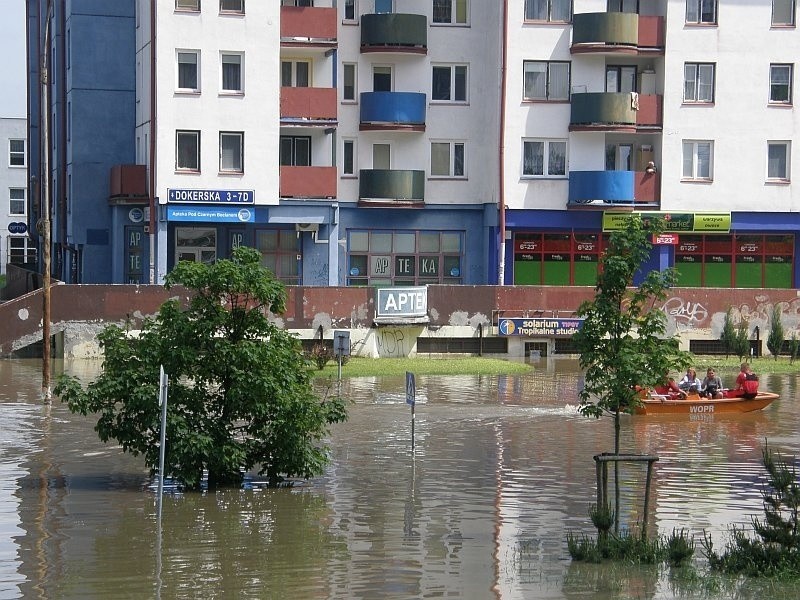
{"points": [[320, 354]]}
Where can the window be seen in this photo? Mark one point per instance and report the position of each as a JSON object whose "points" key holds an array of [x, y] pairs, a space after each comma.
{"points": [[449, 83], [349, 10], [780, 84], [383, 6], [548, 10], [231, 72], [20, 250], [698, 82], [295, 151], [623, 6], [280, 253], [401, 257], [778, 160], [698, 157], [381, 78], [187, 151], [447, 159], [453, 12], [297, 2], [16, 203], [701, 12], [188, 70], [231, 151], [350, 86], [196, 244], [233, 6], [783, 12], [295, 73], [620, 79], [546, 80], [187, 5], [544, 158], [16, 153], [349, 157]]}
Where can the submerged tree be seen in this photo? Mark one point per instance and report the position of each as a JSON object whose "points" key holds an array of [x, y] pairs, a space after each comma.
{"points": [[240, 392], [623, 342], [776, 334]]}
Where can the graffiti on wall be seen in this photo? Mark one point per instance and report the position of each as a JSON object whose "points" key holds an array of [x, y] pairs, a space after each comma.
{"points": [[391, 343], [686, 315]]}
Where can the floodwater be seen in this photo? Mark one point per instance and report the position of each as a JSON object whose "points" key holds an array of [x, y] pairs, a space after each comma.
{"points": [[502, 471]]}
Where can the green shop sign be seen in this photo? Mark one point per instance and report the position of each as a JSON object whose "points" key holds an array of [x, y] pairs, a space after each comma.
{"points": [[674, 222]]}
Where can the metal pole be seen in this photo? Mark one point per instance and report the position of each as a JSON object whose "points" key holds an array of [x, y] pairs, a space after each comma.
{"points": [[413, 419], [45, 112], [162, 402]]}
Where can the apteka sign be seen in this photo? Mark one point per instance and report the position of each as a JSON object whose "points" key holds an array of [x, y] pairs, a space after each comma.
{"points": [[402, 302]]}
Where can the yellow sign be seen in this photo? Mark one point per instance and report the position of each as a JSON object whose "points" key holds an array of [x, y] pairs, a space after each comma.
{"points": [[674, 222]]}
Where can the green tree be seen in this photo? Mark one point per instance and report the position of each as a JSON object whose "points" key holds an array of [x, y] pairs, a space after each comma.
{"points": [[741, 344], [728, 335], [623, 342], [240, 395], [776, 335]]}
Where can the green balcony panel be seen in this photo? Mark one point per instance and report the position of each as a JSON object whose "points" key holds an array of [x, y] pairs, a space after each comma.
{"points": [[606, 28], [392, 184], [394, 30], [602, 108]]}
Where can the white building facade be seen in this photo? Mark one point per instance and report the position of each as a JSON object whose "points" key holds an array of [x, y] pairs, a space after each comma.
{"points": [[16, 246]]}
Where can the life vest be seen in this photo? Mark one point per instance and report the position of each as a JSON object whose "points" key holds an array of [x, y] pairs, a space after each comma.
{"points": [[750, 384]]}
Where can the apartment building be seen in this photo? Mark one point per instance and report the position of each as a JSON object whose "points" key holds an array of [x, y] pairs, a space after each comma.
{"points": [[16, 246], [379, 142]]}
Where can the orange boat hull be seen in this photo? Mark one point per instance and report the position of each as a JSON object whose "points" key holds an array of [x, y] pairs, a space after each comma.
{"points": [[695, 405]]}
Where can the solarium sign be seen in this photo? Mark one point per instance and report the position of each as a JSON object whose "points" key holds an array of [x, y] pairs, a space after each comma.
{"points": [[539, 327]]}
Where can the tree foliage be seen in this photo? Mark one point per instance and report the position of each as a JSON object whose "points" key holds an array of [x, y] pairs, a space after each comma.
{"points": [[728, 335], [240, 395], [623, 341], [776, 333], [741, 344]]}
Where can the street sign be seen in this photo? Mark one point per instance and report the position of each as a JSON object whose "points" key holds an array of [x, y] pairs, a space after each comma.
{"points": [[411, 389]]}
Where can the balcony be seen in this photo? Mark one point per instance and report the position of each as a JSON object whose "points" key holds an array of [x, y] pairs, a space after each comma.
{"points": [[308, 182], [382, 111], [308, 26], [128, 185], [617, 33], [308, 106], [391, 187], [609, 111], [393, 32], [626, 188]]}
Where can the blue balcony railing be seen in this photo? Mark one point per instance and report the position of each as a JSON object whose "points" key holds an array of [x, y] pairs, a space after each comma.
{"points": [[394, 108]]}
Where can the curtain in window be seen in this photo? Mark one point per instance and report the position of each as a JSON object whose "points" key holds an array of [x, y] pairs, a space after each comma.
{"points": [[705, 83], [708, 11], [535, 84], [188, 144], [231, 73], [230, 152], [350, 10], [440, 89], [458, 160], [559, 81], [460, 83], [557, 158], [302, 78], [688, 160], [560, 10], [776, 161], [442, 11], [187, 70], [690, 82], [533, 158], [704, 160], [536, 10], [783, 12], [440, 159], [780, 82]]}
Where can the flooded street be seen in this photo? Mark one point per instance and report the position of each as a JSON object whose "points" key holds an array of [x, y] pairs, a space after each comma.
{"points": [[502, 471]]}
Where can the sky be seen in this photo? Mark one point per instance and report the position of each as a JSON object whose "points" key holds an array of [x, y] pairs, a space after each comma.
{"points": [[13, 91]]}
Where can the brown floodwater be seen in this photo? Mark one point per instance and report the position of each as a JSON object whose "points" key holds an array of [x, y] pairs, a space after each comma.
{"points": [[502, 472]]}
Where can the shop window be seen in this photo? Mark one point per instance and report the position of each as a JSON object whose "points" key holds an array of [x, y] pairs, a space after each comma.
{"points": [[280, 253], [557, 258]]}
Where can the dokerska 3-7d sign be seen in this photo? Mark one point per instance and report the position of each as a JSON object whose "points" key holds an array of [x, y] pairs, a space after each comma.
{"points": [[539, 327]]}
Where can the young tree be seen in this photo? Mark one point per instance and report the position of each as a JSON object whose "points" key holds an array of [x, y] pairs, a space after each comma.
{"points": [[776, 335], [728, 335], [623, 342], [741, 344], [240, 393]]}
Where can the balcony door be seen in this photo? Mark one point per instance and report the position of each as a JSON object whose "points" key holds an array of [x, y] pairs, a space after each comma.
{"points": [[381, 156], [621, 78], [619, 157], [383, 6], [295, 151], [623, 6], [382, 78], [295, 73]]}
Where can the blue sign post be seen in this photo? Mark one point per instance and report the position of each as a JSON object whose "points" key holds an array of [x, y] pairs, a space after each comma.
{"points": [[411, 398]]}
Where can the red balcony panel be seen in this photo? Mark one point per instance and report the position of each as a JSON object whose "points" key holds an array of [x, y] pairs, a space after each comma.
{"points": [[650, 110], [128, 182], [308, 182], [308, 22], [647, 187], [308, 103], [651, 32]]}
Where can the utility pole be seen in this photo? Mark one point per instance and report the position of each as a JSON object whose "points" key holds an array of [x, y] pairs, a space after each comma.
{"points": [[44, 109]]}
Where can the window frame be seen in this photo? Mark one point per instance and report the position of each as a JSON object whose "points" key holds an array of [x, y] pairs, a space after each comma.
{"points": [[698, 4], [179, 133], [231, 11], [548, 64], [789, 85], [294, 62], [546, 174], [28, 250], [281, 250], [787, 173], [793, 15], [697, 66], [294, 147], [453, 8], [12, 201], [353, 67], [222, 56], [238, 135], [17, 155], [452, 145], [350, 4], [549, 19], [452, 68], [196, 54], [180, 5], [353, 143], [695, 144]]}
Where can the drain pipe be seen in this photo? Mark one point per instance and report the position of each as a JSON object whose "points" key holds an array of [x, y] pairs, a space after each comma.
{"points": [[501, 201]]}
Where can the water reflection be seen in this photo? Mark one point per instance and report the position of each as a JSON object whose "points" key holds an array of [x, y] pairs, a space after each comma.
{"points": [[501, 473]]}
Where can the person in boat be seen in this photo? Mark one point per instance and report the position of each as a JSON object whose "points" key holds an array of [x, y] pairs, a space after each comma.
{"points": [[669, 388], [690, 383], [746, 383], [711, 386]]}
